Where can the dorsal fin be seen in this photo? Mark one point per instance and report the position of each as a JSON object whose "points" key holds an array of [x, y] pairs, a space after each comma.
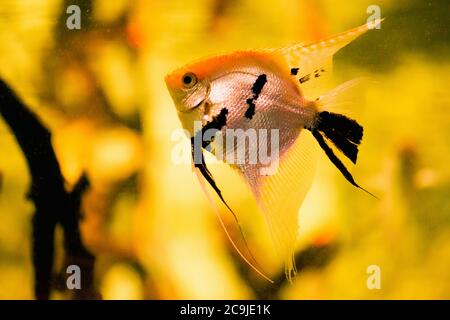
{"points": [[310, 62]]}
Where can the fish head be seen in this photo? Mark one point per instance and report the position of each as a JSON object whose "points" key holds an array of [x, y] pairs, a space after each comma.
{"points": [[189, 89]]}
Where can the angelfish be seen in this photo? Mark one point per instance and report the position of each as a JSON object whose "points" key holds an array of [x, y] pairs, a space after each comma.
{"points": [[265, 90]]}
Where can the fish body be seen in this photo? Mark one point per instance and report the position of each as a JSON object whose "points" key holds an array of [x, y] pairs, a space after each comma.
{"points": [[228, 82], [249, 92]]}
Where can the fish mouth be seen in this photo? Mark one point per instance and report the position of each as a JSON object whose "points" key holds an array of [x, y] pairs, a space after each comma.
{"points": [[200, 102], [198, 105]]}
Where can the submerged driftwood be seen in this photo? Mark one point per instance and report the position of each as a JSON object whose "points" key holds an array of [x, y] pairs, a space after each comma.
{"points": [[53, 203]]}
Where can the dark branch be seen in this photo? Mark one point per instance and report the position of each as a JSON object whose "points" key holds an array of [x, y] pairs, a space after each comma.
{"points": [[53, 204]]}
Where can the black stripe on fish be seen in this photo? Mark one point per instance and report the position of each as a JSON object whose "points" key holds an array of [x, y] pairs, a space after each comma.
{"points": [[258, 85], [250, 112], [217, 123], [345, 126], [294, 71], [201, 165], [197, 143], [345, 133], [256, 89], [304, 78], [335, 160], [318, 72]]}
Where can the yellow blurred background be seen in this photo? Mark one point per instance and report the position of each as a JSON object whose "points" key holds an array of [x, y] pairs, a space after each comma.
{"points": [[101, 92]]}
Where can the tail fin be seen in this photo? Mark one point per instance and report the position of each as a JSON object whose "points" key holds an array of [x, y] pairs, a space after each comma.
{"points": [[345, 133]]}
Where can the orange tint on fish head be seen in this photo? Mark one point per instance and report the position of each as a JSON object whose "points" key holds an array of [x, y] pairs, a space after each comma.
{"points": [[186, 96], [201, 69], [178, 90]]}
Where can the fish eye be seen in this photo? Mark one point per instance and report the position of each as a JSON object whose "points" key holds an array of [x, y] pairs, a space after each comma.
{"points": [[189, 80]]}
